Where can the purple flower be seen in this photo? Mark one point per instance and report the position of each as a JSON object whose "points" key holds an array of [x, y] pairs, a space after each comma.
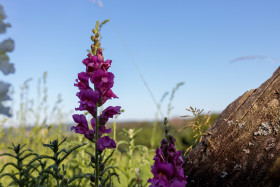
{"points": [[162, 182], [105, 142], [92, 98], [102, 129], [178, 183], [167, 168], [88, 100], [105, 65], [109, 112], [108, 94], [171, 152], [159, 157], [87, 60], [99, 54], [82, 83], [82, 127], [102, 80], [92, 63], [163, 168]]}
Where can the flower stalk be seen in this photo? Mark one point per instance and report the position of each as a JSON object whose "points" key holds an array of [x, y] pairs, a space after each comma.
{"points": [[96, 152], [90, 100], [167, 168]]}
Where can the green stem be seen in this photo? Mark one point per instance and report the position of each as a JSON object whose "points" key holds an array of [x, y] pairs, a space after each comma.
{"points": [[96, 151], [115, 130], [153, 138]]}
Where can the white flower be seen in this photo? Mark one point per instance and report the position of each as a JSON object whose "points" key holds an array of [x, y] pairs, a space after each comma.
{"points": [[7, 45], [5, 66], [4, 89]]}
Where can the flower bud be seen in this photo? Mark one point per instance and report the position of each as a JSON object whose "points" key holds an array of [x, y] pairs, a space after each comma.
{"points": [[99, 152], [65, 181], [95, 40], [92, 178], [94, 31], [92, 37], [92, 158], [102, 167], [166, 130], [97, 23], [97, 35], [93, 48]]}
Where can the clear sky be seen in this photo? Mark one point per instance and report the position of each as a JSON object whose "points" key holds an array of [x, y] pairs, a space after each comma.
{"points": [[171, 42]]}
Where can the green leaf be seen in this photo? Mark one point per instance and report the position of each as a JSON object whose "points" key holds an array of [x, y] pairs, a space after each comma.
{"points": [[81, 176], [10, 175], [122, 142], [28, 155], [71, 150], [62, 141], [111, 154], [24, 152], [8, 164], [8, 154]]}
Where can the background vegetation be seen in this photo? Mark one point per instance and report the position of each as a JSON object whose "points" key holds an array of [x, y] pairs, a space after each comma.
{"points": [[136, 141]]}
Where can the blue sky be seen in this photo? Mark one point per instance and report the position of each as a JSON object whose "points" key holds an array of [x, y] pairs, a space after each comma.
{"points": [[171, 42]]}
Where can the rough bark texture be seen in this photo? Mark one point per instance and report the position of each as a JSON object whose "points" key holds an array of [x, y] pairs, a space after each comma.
{"points": [[243, 145]]}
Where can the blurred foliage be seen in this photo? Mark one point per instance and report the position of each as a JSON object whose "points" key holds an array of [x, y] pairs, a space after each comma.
{"points": [[132, 169], [199, 124]]}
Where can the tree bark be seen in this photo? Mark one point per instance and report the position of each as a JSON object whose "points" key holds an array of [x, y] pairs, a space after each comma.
{"points": [[242, 147]]}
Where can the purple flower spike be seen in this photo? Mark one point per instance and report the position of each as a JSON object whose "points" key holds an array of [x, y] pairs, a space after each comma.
{"points": [[82, 127], [109, 112], [167, 168], [105, 142], [90, 98]]}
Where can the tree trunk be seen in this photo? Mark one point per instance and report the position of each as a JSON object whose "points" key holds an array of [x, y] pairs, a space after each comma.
{"points": [[242, 147]]}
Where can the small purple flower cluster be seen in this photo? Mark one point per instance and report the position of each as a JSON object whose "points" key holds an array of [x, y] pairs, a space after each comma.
{"points": [[167, 169], [97, 73]]}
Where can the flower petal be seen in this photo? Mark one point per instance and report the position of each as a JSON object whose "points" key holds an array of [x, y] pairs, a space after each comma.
{"points": [[109, 112], [105, 142]]}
